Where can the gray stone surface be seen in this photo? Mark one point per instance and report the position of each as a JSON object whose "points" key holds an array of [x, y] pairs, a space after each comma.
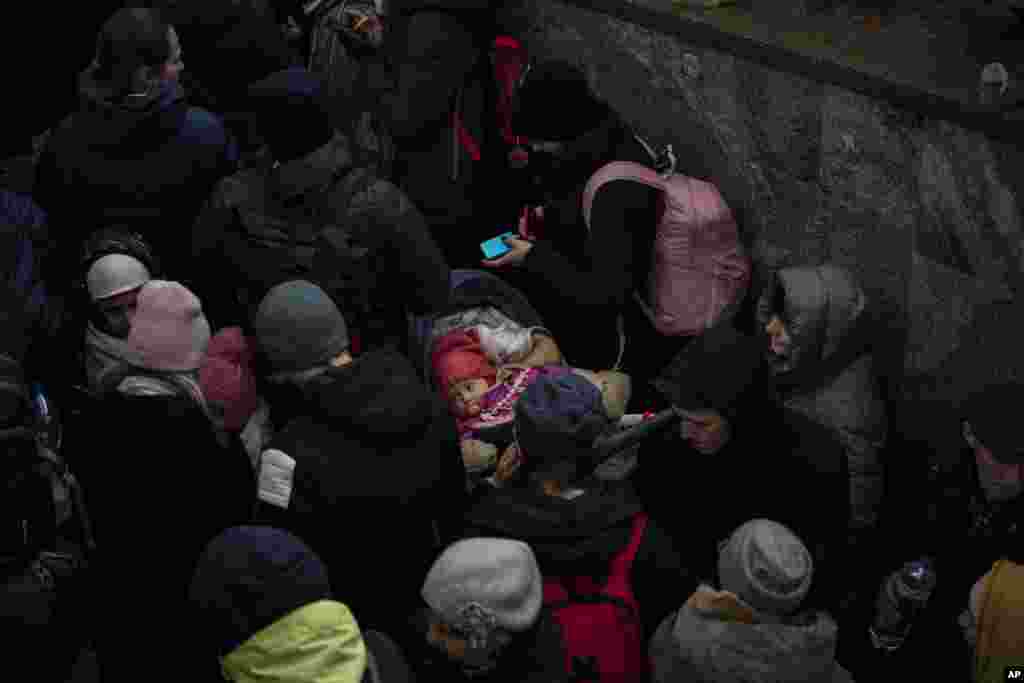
{"points": [[926, 213]]}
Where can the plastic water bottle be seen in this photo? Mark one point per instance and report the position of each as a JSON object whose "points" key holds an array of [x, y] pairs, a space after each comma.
{"points": [[902, 598]]}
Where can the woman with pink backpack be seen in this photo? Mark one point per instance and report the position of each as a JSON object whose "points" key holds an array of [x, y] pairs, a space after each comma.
{"points": [[632, 260]]}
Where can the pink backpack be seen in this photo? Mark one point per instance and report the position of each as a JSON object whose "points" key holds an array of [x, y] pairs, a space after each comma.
{"points": [[601, 629], [700, 270]]}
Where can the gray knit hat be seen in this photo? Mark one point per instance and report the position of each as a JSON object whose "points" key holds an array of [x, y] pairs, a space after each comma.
{"points": [[298, 327], [491, 577], [767, 566]]}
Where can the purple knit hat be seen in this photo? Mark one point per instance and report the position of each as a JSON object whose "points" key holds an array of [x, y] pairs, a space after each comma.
{"points": [[169, 331], [557, 420]]}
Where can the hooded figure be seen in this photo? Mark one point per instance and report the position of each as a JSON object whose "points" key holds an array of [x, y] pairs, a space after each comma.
{"points": [[363, 443], [821, 355], [135, 149], [574, 522], [753, 628], [265, 609], [740, 454]]}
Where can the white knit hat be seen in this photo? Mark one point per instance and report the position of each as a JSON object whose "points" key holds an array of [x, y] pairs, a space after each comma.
{"points": [[767, 566], [500, 575], [115, 274]]}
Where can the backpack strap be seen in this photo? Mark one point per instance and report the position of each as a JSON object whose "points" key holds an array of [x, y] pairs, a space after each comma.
{"points": [[618, 170], [616, 590], [502, 90], [622, 565], [621, 170]]}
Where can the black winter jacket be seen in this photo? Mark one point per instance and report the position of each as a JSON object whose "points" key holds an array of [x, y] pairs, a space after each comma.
{"points": [[935, 505], [377, 473], [777, 464], [410, 272], [583, 280], [154, 164], [158, 487]]}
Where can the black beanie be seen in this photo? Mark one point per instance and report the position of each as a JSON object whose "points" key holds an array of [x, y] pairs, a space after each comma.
{"points": [[248, 578], [290, 114], [717, 370], [298, 327], [992, 413], [555, 103]]}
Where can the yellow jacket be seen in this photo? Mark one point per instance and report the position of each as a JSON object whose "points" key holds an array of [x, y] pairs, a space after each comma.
{"points": [[318, 643], [1000, 623]]}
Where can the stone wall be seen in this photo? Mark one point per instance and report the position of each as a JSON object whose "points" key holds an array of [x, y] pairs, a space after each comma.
{"points": [[925, 212]]}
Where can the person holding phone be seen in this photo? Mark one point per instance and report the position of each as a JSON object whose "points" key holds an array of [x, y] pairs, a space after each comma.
{"points": [[584, 281]]}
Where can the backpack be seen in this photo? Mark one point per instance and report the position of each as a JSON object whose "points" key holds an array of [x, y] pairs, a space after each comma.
{"points": [[600, 623], [39, 493], [700, 270], [347, 60]]}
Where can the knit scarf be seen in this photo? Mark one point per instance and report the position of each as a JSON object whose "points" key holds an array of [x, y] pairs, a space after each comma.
{"points": [[107, 357]]}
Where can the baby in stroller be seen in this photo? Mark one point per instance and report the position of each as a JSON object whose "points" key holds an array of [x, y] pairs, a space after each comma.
{"points": [[481, 353], [482, 370]]}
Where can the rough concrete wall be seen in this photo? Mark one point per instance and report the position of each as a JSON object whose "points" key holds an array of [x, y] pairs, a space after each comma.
{"points": [[926, 213]]}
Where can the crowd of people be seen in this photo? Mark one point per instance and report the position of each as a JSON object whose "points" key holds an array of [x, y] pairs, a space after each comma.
{"points": [[271, 414]]}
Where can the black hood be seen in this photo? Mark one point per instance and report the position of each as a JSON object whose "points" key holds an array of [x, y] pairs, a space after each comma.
{"points": [[555, 175], [112, 121], [578, 536], [377, 395], [722, 370]]}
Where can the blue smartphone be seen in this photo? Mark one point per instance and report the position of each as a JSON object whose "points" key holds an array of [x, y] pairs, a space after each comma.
{"points": [[496, 247]]}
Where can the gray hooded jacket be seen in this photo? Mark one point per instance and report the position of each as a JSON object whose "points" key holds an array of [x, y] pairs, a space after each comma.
{"points": [[698, 647], [823, 305]]}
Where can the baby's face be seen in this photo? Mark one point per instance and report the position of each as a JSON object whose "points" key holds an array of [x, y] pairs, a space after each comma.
{"points": [[465, 396]]}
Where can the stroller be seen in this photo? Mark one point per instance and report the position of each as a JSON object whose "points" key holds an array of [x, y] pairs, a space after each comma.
{"points": [[480, 298]]}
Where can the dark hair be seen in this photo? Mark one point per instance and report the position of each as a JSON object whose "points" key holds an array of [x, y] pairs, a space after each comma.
{"points": [[290, 112], [132, 37]]}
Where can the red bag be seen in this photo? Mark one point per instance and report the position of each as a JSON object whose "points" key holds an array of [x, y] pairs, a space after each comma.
{"points": [[601, 630]]}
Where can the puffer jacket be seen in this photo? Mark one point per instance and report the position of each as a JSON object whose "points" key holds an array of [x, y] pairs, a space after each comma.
{"points": [[829, 375], [693, 645], [371, 213], [150, 164]]}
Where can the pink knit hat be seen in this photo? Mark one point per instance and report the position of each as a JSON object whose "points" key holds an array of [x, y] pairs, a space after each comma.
{"points": [[169, 331], [227, 378]]}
